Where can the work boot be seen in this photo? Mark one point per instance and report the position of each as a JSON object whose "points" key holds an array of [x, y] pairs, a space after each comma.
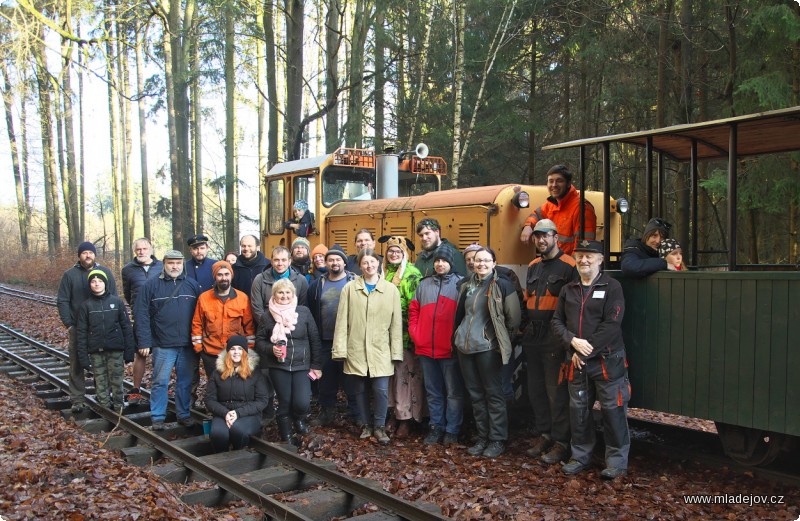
{"points": [[450, 438], [573, 467], [300, 426], [558, 453], [540, 446], [366, 432], [612, 473], [494, 449], [435, 436], [479, 447], [284, 428], [325, 418]]}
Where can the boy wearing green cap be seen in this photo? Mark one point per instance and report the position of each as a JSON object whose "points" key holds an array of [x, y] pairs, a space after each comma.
{"points": [[105, 340]]}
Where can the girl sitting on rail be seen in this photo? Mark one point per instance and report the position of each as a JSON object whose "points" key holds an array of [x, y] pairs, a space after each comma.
{"points": [[236, 395]]}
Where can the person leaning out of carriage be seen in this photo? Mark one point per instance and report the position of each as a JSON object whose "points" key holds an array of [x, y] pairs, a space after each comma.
{"points": [[237, 393], [640, 258]]}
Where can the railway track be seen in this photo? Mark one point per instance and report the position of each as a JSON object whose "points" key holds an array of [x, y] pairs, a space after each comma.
{"points": [[27, 295], [272, 477]]}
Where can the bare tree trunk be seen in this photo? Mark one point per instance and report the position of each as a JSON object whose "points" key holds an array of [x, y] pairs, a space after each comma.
{"points": [[71, 194], [49, 164], [272, 86], [294, 76], [81, 146], [231, 218], [196, 133], [663, 49], [682, 189], [143, 139], [333, 41], [459, 12], [532, 108], [494, 48], [380, 79], [22, 206], [354, 133], [730, 20], [262, 114], [422, 74], [124, 86], [113, 124]]}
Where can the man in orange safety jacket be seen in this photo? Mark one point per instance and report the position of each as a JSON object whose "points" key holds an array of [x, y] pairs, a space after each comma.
{"points": [[563, 208]]}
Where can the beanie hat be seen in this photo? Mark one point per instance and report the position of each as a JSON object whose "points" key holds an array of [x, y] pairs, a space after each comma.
{"points": [[236, 340], [219, 265], [472, 247], [561, 170], [302, 241], [300, 204], [445, 254], [173, 254], [98, 274], [319, 249], [336, 250], [656, 224], [667, 246], [87, 246]]}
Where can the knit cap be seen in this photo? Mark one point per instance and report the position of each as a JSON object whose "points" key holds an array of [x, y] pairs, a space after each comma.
{"points": [[667, 246], [319, 249], [472, 247], [300, 204], [445, 254], [302, 241], [236, 340], [87, 246], [656, 223], [336, 250], [98, 274], [219, 265]]}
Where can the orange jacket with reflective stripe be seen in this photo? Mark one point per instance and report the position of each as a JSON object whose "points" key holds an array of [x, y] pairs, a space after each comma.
{"points": [[566, 214], [216, 321]]}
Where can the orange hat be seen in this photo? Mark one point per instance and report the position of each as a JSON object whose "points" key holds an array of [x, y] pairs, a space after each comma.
{"points": [[320, 249], [219, 265]]}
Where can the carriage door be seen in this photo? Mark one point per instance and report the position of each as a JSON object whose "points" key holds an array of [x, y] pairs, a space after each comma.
{"points": [[305, 188]]}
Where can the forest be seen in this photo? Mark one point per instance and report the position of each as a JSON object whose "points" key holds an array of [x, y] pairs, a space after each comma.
{"points": [[484, 83]]}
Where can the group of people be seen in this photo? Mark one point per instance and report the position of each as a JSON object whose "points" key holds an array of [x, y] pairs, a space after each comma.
{"points": [[421, 339]]}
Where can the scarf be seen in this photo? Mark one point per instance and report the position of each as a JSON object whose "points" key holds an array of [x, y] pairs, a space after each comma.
{"points": [[285, 316]]}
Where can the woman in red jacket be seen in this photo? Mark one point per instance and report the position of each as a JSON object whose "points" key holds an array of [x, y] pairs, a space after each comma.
{"points": [[430, 324]]}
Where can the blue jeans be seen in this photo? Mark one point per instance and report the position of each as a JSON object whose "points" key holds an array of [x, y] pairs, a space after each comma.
{"points": [[444, 388], [332, 376], [380, 397], [164, 359]]}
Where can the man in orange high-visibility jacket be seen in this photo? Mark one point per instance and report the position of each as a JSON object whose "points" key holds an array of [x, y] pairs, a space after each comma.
{"points": [[563, 208]]}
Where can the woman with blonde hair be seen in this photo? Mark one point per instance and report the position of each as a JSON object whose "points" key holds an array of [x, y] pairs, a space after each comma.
{"points": [[236, 395], [289, 344]]}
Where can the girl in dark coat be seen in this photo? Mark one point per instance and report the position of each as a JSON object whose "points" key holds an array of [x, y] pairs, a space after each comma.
{"points": [[289, 344], [236, 395]]}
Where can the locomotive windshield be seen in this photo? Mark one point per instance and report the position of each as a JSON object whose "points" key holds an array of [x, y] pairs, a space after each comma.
{"points": [[353, 184]]}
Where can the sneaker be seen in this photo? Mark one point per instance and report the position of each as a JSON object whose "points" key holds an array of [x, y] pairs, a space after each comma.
{"points": [[134, 397], [382, 437], [366, 432], [187, 422], [158, 426], [540, 446], [450, 438], [434, 436], [494, 449], [613, 473], [478, 448], [556, 454], [573, 467]]}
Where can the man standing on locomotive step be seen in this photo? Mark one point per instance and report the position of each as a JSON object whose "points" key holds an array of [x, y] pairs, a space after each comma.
{"points": [[429, 232], [588, 322], [72, 293], [221, 313], [143, 267], [164, 310], [564, 208], [547, 388], [249, 264]]}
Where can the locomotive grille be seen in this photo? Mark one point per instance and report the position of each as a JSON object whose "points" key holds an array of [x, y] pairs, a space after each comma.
{"points": [[469, 233]]}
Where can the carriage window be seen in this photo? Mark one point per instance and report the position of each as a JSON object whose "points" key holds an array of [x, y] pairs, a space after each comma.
{"points": [[275, 207], [305, 189], [347, 185]]}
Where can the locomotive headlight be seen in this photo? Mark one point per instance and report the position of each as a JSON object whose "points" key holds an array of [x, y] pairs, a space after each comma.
{"points": [[622, 205], [521, 199]]}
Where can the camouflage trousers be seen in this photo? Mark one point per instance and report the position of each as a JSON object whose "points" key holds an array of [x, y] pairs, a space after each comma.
{"points": [[109, 372]]}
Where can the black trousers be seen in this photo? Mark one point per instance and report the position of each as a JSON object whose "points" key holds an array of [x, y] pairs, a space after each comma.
{"points": [[483, 378]]}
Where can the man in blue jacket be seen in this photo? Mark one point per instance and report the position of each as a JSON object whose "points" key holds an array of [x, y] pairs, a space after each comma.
{"points": [[199, 266], [73, 291], [164, 310]]}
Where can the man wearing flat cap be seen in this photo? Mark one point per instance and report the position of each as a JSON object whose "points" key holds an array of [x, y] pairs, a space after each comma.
{"points": [[73, 291], [199, 266], [164, 309], [564, 208], [221, 312], [588, 322]]}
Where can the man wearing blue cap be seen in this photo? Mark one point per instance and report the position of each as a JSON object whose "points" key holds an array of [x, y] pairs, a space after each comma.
{"points": [[73, 291], [588, 321]]}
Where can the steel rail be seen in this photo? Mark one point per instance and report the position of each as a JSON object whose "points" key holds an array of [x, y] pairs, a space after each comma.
{"points": [[228, 482], [18, 293]]}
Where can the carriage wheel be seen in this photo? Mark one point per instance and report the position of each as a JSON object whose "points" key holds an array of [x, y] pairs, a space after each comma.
{"points": [[752, 447]]}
